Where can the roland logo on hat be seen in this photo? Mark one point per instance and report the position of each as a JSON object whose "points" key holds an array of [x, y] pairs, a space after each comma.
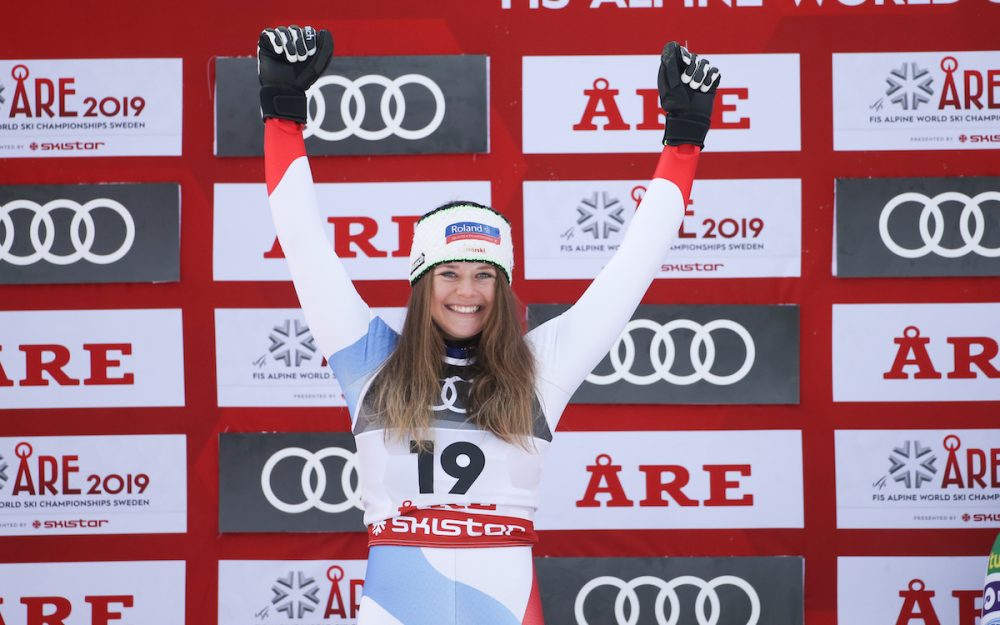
{"points": [[471, 230]]}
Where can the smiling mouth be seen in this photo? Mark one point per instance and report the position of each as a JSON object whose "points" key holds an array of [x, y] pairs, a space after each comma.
{"points": [[466, 310]]}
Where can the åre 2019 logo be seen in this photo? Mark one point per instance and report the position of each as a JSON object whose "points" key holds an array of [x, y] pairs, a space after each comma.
{"points": [[90, 107], [93, 485]]}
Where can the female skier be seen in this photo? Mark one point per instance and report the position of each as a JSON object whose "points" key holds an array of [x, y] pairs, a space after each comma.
{"points": [[453, 416]]}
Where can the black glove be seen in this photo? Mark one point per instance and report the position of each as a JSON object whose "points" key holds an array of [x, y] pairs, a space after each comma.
{"points": [[289, 60], [687, 86]]}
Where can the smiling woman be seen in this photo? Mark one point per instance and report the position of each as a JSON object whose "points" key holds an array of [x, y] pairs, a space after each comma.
{"points": [[462, 298], [453, 416]]}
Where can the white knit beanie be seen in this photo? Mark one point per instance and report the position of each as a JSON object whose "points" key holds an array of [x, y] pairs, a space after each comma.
{"points": [[461, 231]]}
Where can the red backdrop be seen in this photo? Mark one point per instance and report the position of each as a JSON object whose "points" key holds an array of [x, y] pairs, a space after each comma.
{"points": [[198, 31]]}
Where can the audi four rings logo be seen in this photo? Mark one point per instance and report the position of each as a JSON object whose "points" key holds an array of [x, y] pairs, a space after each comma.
{"points": [[971, 224], [42, 232], [314, 480], [661, 366], [392, 96], [708, 607]]}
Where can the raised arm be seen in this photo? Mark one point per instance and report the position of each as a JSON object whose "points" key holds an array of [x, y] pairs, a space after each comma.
{"points": [[290, 60], [571, 345]]}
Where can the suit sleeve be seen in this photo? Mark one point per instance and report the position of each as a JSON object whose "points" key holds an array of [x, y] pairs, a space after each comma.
{"points": [[336, 314], [568, 347]]}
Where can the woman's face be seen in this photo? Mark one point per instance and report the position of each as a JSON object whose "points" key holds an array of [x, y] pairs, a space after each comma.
{"points": [[462, 297]]}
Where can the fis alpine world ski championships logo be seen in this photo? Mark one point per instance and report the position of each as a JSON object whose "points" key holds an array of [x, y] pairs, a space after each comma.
{"points": [[597, 216], [291, 341], [295, 595], [911, 464], [471, 230], [928, 479], [926, 100], [914, 466], [303, 592], [908, 87]]}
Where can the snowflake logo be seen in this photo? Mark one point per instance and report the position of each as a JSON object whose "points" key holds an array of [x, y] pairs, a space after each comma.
{"points": [[909, 86], [378, 528], [3, 472], [33, 146], [290, 342], [962, 138], [600, 215], [36, 524], [295, 594], [966, 517], [912, 464]]}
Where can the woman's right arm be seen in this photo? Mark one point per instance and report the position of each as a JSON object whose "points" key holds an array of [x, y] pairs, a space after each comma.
{"points": [[335, 313]]}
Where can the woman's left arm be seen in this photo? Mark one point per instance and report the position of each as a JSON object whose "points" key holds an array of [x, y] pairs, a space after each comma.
{"points": [[571, 345]]}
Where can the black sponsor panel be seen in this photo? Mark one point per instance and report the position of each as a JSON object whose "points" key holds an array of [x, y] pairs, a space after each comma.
{"points": [[301, 482], [652, 591], [701, 355], [89, 233], [917, 227], [393, 104]]}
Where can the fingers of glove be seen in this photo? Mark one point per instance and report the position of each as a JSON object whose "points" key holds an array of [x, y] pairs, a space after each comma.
{"points": [[691, 69], [309, 38], [324, 50], [704, 76], [298, 43], [287, 40], [269, 42], [686, 56], [669, 68], [282, 37], [712, 79]]}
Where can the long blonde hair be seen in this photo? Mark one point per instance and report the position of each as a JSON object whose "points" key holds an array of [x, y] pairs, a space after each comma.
{"points": [[502, 398]]}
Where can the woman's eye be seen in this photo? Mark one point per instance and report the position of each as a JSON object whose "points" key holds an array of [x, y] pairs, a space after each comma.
{"points": [[486, 276]]}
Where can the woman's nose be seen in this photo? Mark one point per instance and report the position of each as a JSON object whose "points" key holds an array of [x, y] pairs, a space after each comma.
{"points": [[465, 287]]}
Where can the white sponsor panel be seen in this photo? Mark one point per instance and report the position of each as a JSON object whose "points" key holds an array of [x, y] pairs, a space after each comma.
{"points": [[944, 590], [93, 485], [91, 358], [918, 478], [92, 593], [369, 225], [267, 357], [731, 228], [916, 101], [290, 592], [608, 104], [673, 480], [916, 352], [90, 107]]}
